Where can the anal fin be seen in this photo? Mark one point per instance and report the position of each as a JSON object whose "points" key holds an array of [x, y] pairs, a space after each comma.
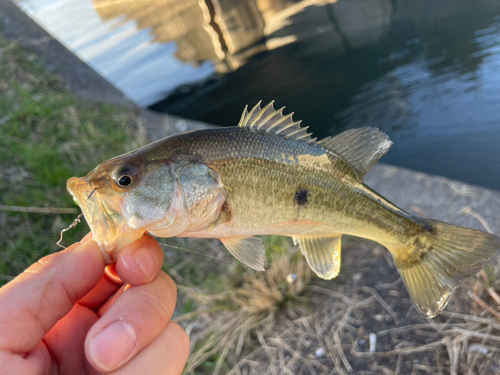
{"points": [[248, 250], [322, 254]]}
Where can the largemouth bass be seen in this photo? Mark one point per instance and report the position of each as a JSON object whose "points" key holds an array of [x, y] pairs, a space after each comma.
{"points": [[268, 176]]}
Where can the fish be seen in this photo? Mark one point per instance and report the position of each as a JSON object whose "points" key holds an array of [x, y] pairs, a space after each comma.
{"points": [[269, 176]]}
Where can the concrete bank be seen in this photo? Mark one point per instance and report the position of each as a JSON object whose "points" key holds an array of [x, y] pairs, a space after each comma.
{"points": [[81, 78], [436, 197], [417, 193]]}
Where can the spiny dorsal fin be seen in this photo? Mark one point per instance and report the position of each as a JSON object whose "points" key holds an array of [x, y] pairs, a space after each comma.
{"points": [[271, 121], [361, 148]]}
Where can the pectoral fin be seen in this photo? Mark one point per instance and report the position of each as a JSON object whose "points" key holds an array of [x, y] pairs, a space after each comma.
{"points": [[322, 254], [224, 217], [248, 250]]}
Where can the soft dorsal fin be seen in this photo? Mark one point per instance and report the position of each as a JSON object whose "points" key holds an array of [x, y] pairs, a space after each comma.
{"points": [[271, 121], [361, 148]]}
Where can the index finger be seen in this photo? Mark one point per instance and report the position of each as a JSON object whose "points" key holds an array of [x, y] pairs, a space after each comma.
{"points": [[32, 303], [140, 262]]}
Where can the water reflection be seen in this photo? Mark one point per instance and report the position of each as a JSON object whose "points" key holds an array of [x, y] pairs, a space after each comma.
{"points": [[228, 32], [426, 72], [225, 32]]}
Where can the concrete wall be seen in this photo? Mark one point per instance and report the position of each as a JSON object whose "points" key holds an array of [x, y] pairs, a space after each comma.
{"points": [[82, 79], [418, 193]]}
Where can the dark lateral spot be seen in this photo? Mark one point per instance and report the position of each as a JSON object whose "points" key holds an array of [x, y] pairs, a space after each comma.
{"points": [[301, 197], [428, 228]]}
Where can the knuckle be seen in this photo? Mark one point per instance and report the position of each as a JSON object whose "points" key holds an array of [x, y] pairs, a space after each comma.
{"points": [[42, 265], [168, 282], [181, 335], [178, 340], [156, 304]]}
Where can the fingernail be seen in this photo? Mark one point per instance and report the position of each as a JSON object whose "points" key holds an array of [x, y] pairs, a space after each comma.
{"points": [[113, 345], [145, 258]]}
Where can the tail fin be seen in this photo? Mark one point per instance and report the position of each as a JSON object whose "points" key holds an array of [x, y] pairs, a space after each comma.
{"points": [[441, 257]]}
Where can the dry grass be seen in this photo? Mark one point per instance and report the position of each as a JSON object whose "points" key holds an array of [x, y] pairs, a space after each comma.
{"points": [[46, 136], [261, 324], [235, 320], [239, 321], [363, 322]]}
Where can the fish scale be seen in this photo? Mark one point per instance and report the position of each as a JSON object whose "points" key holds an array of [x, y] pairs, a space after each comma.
{"points": [[268, 176], [272, 173]]}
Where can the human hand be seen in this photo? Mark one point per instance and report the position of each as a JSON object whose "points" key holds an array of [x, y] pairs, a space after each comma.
{"points": [[67, 315]]}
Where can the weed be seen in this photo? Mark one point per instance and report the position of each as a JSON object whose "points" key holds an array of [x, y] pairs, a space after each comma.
{"points": [[46, 136], [232, 321], [239, 321]]}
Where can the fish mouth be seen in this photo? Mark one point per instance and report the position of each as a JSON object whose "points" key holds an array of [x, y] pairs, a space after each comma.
{"points": [[104, 217], [81, 191]]}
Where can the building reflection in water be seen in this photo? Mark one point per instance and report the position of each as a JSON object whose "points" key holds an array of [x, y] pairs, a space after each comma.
{"points": [[425, 72], [225, 32]]}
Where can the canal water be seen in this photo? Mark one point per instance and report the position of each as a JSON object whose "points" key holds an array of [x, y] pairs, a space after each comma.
{"points": [[425, 72]]}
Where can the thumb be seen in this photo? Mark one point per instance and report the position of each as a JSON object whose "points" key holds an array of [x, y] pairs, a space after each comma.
{"points": [[33, 302]]}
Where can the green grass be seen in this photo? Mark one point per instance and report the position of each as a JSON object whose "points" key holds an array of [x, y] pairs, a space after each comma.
{"points": [[235, 316], [47, 135]]}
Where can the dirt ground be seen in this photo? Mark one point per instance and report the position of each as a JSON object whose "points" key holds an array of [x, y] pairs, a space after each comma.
{"points": [[240, 321], [369, 299], [363, 321]]}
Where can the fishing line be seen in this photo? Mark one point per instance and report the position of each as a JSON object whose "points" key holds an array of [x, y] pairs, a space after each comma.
{"points": [[91, 193], [73, 225], [78, 220], [194, 252]]}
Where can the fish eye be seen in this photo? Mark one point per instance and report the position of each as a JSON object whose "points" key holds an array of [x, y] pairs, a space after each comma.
{"points": [[124, 177], [125, 180]]}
